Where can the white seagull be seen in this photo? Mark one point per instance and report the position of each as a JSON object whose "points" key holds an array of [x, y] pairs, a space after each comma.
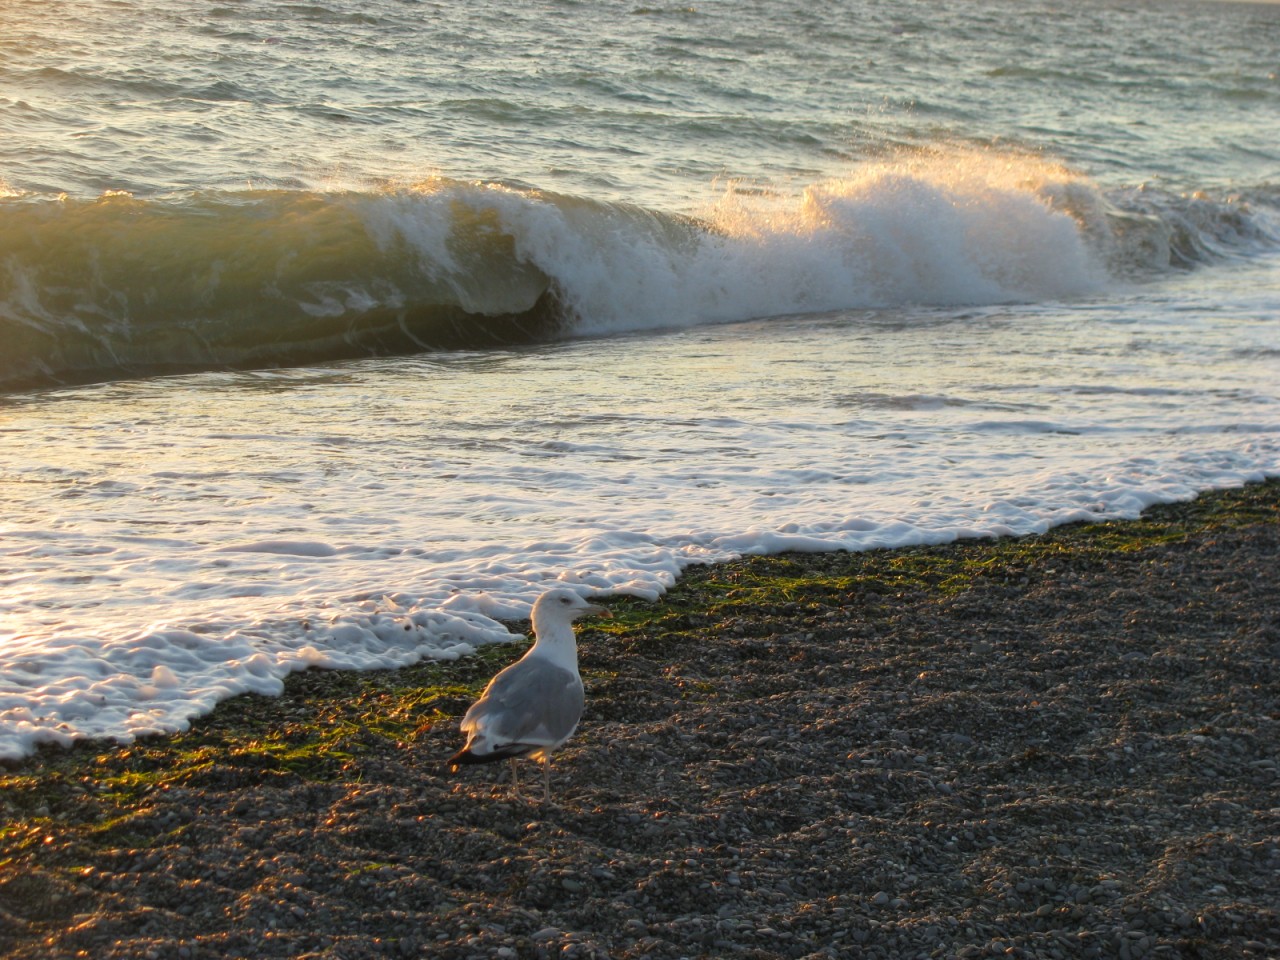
{"points": [[534, 705]]}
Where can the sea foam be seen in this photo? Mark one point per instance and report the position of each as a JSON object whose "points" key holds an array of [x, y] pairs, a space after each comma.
{"points": [[156, 680]]}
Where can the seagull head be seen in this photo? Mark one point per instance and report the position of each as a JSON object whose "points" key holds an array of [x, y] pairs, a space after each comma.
{"points": [[564, 606]]}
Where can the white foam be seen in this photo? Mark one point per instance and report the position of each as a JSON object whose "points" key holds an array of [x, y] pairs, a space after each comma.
{"points": [[946, 228], [297, 548], [967, 227]]}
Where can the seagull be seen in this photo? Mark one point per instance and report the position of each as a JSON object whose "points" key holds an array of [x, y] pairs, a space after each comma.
{"points": [[534, 705]]}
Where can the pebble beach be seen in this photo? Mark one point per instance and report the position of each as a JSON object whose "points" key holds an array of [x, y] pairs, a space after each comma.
{"points": [[1055, 746]]}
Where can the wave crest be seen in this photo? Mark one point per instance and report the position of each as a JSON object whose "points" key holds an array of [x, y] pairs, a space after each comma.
{"points": [[120, 286]]}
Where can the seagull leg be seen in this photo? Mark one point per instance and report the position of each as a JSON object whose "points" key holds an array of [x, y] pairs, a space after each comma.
{"points": [[515, 781]]}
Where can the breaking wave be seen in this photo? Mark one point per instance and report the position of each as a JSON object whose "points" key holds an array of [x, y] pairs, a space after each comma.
{"points": [[121, 286]]}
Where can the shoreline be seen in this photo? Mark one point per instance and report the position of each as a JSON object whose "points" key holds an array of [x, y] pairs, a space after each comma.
{"points": [[1057, 745]]}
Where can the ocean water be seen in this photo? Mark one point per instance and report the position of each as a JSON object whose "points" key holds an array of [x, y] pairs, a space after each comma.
{"points": [[335, 332]]}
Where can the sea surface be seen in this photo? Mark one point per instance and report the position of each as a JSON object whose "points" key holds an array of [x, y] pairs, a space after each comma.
{"points": [[335, 332]]}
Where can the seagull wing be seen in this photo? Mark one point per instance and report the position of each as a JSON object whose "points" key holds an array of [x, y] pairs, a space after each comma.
{"points": [[532, 705]]}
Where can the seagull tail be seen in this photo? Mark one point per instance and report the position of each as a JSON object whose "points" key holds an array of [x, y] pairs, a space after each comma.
{"points": [[467, 756]]}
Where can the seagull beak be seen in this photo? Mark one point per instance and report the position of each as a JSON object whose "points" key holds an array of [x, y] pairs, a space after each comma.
{"points": [[599, 611]]}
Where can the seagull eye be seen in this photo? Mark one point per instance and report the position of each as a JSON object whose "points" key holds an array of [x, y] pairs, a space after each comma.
{"points": [[564, 599]]}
